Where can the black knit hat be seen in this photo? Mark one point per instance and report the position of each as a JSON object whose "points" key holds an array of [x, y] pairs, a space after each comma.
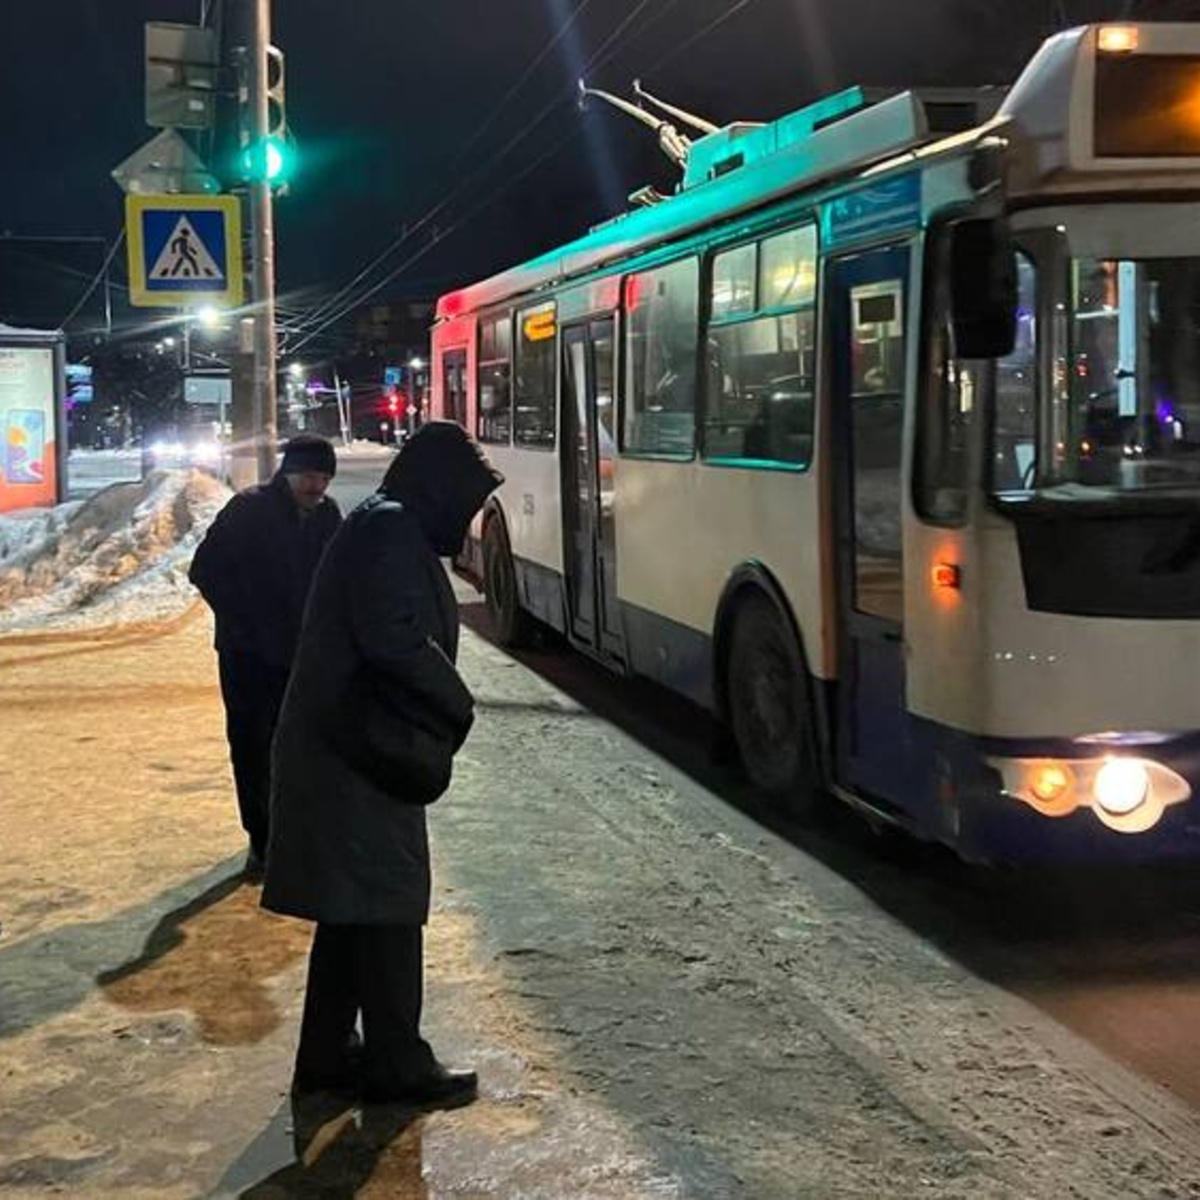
{"points": [[308, 452]]}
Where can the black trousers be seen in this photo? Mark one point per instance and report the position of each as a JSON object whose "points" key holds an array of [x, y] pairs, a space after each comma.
{"points": [[253, 694], [376, 970]]}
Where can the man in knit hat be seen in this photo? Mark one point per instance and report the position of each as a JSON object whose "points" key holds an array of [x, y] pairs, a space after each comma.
{"points": [[254, 569]]}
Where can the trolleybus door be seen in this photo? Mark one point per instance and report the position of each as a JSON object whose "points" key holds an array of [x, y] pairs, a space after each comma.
{"points": [[869, 326], [587, 460]]}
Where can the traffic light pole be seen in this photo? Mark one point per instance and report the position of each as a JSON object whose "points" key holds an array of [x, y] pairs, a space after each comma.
{"points": [[262, 243], [254, 400]]}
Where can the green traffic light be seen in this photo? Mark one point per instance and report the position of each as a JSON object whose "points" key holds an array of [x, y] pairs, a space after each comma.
{"points": [[270, 161]]}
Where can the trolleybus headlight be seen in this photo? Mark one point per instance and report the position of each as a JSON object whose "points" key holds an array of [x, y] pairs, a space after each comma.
{"points": [[1121, 785], [1127, 794]]}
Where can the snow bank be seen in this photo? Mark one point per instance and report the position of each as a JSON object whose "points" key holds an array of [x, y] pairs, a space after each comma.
{"points": [[119, 557]]}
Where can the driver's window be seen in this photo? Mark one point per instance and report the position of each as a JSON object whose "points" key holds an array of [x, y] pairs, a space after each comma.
{"points": [[1014, 432], [950, 410], [943, 439]]}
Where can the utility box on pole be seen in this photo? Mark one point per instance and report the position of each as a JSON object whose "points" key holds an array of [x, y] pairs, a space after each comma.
{"points": [[181, 76]]}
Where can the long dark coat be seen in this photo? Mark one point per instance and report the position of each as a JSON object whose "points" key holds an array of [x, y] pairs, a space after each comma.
{"points": [[345, 848], [255, 566]]}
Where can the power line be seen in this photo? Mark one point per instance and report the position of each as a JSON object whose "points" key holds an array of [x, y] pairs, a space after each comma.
{"points": [[100, 274], [716, 23], [329, 312], [525, 75], [653, 20], [597, 58], [419, 254], [594, 60]]}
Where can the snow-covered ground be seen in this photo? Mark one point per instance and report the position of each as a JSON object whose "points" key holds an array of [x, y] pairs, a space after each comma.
{"points": [[119, 557], [89, 471]]}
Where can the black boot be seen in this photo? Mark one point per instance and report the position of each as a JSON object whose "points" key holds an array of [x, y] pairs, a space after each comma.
{"points": [[439, 1088]]}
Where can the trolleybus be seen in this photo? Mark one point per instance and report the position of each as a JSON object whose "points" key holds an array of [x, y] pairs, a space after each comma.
{"points": [[884, 445]]}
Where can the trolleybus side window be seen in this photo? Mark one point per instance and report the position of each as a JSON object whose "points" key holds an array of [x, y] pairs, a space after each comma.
{"points": [[877, 354], [534, 398], [454, 385], [661, 330], [495, 385], [760, 360]]}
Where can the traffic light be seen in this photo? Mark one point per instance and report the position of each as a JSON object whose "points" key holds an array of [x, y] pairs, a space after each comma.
{"points": [[270, 158]]}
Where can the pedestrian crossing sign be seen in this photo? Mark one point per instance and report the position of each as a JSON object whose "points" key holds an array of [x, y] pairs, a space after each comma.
{"points": [[184, 250]]}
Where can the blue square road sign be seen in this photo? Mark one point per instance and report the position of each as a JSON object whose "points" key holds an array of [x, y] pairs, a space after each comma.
{"points": [[184, 249]]}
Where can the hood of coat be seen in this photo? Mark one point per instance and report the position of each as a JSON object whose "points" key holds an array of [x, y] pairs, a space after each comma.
{"points": [[442, 477]]}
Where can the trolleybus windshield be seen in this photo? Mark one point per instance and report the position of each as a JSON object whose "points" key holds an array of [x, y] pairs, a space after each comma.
{"points": [[1115, 406]]}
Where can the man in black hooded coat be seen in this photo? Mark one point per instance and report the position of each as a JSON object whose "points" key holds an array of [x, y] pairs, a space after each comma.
{"points": [[372, 718]]}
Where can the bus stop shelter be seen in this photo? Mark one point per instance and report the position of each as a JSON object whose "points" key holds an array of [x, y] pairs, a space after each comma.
{"points": [[33, 442]]}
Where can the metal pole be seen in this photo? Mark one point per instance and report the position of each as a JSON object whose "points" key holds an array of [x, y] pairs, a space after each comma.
{"points": [[262, 238], [107, 295], [343, 420]]}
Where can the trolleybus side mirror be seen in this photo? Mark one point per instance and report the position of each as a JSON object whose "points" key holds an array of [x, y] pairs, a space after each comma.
{"points": [[983, 288]]}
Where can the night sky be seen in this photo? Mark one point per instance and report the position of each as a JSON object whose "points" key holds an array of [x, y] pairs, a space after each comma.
{"points": [[400, 105]]}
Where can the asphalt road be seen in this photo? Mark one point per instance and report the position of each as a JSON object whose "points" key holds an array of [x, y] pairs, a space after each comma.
{"points": [[1114, 955], [360, 472]]}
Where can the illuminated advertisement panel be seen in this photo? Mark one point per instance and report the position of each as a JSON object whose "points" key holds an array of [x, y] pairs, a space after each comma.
{"points": [[29, 404]]}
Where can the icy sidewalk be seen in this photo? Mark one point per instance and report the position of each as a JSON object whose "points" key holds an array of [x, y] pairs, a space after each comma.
{"points": [[148, 1008], [662, 1000]]}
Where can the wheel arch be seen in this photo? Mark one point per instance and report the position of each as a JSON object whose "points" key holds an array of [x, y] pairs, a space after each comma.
{"points": [[493, 510], [755, 577]]}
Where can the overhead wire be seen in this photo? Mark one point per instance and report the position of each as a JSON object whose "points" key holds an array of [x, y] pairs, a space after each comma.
{"points": [[342, 297], [714, 24], [603, 53], [324, 316], [472, 142], [420, 253]]}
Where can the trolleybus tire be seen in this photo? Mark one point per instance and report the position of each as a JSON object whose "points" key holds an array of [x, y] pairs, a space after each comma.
{"points": [[510, 622], [769, 711]]}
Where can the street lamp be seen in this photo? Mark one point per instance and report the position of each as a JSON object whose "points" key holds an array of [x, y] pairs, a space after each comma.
{"points": [[209, 318], [296, 370]]}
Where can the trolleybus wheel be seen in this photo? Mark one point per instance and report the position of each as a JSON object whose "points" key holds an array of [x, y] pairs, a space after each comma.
{"points": [[509, 620], [769, 710]]}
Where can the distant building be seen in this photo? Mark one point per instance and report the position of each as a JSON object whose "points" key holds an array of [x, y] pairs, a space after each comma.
{"points": [[395, 332], [386, 339]]}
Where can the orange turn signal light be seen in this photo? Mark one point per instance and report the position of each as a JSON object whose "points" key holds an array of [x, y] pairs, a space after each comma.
{"points": [[947, 575], [1050, 782]]}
